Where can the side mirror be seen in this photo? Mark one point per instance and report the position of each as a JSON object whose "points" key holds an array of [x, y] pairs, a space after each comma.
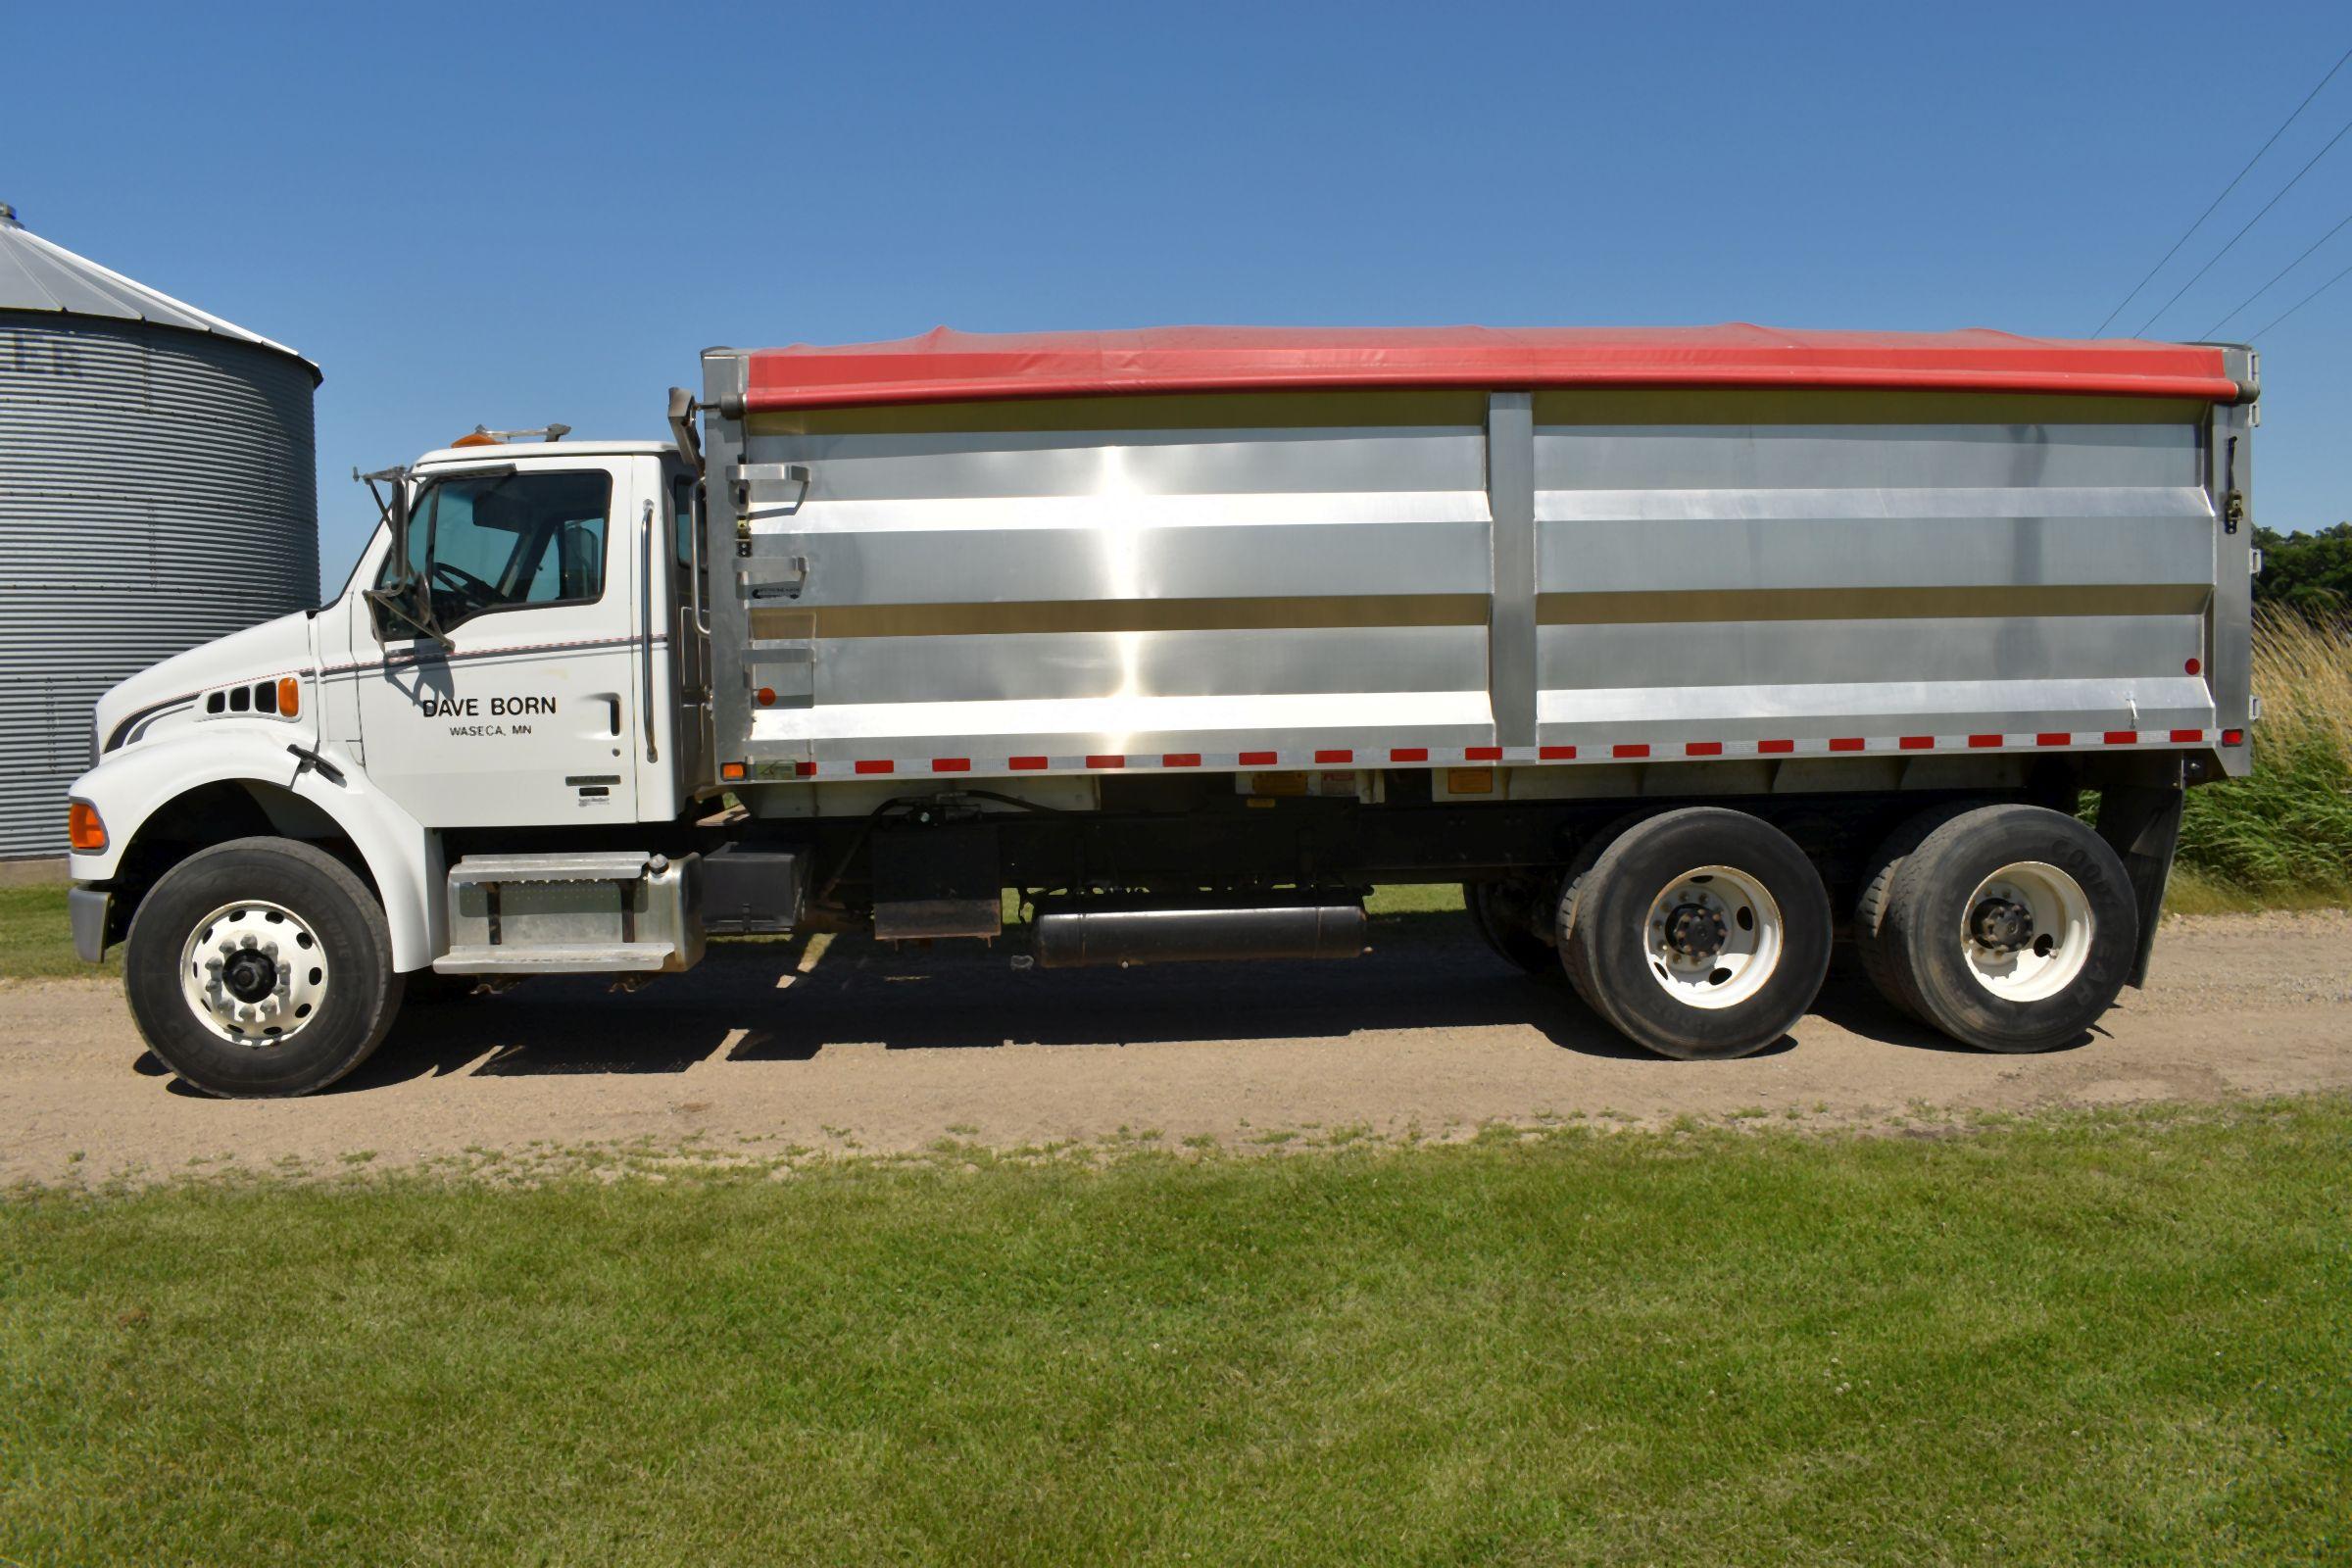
{"points": [[407, 600]]}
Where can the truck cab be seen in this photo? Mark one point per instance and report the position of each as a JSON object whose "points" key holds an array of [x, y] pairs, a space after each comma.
{"points": [[517, 649]]}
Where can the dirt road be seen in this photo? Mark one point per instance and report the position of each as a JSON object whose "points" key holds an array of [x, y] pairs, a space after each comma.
{"points": [[774, 1048]]}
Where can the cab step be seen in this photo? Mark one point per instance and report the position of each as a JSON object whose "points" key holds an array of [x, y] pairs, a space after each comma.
{"points": [[599, 912]]}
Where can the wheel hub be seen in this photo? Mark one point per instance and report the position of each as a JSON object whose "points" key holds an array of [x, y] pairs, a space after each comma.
{"points": [[250, 974], [1696, 932], [254, 973], [2001, 924]]}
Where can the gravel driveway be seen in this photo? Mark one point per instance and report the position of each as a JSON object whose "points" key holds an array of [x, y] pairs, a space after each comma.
{"points": [[776, 1047]]}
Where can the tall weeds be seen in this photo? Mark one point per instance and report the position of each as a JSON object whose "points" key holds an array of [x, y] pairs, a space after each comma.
{"points": [[2289, 826]]}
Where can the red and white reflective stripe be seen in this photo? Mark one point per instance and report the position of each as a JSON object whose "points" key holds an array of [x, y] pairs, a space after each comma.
{"points": [[1326, 757]]}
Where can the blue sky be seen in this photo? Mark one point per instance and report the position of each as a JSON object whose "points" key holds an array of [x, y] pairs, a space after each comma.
{"points": [[507, 216]]}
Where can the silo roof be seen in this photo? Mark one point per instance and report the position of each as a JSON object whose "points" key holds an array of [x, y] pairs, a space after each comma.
{"points": [[37, 275]]}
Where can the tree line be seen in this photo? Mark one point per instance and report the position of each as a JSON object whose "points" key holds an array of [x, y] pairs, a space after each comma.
{"points": [[2310, 573]]}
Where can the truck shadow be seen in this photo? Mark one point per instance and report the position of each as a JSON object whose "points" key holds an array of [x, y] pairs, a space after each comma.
{"points": [[786, 1001]]}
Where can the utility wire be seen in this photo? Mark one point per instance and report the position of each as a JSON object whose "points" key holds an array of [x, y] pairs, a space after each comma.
{"points": [[2305, 300], [2224, 196], [2242, 233], [2282, 272]]}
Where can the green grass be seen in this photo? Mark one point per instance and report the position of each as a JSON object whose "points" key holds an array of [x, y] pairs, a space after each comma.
{"points": [[2098, 1340], [2284, 835], [36, 944]]}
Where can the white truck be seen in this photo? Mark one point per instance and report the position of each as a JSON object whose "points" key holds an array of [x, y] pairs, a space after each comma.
{"points": [[1686, 652]]}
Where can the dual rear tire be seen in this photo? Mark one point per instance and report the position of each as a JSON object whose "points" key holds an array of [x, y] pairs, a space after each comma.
{"points": [[2009, 928], [1705, 933], [1698, 934]]}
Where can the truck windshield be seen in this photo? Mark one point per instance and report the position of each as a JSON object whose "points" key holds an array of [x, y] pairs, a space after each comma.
{"points": [[509, 541]]}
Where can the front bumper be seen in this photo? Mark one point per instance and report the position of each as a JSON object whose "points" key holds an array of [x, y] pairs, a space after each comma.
{"points": [[88, 909]]}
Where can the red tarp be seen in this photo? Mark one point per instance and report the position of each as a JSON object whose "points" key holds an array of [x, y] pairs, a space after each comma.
{"points": [[947, 366]]}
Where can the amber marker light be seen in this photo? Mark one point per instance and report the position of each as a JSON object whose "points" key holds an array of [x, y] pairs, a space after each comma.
{"points": [[83, 830], [732, 771], [289, 695]]}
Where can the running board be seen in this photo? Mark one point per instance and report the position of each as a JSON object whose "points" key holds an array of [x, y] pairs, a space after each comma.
{"points": [[604, 912]]}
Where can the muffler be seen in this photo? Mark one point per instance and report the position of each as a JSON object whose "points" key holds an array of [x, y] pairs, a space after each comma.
{"points": [[1083, 933]]}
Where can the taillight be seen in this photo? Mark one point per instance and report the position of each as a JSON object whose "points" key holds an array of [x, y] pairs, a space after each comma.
{"points": [[289, 695], [83, 830]]}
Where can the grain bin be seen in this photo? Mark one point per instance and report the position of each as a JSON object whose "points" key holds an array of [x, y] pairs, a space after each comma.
{"points": [[158, 489]]}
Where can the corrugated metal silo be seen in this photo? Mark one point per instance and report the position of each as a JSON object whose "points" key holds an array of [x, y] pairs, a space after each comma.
{"points": [[158, 489]]}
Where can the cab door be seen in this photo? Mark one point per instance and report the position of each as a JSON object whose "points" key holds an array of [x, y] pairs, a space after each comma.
{"points": [[528, 713]]}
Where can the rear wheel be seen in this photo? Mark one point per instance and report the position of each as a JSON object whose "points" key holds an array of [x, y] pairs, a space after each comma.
{"points": [[1699, 933], [2007, 927], [261, 968], [1504, 913]]}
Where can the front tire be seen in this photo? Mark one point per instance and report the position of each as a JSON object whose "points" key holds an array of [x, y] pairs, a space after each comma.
{"points": [[261, 968], [2009, 928], [1700, 934]]}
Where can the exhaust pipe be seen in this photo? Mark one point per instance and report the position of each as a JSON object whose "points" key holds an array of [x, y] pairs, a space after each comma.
{"points": [[1088, 933]]}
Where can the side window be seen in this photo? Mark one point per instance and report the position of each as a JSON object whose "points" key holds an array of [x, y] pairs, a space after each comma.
{"points": [[509, 541]]}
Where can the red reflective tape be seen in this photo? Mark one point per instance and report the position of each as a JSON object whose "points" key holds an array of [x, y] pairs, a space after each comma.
{"points": [[1180, 759], [1556, 753], [1981, 742], [1703, 749], [1257, 759], [1107, 762], [1775, 748], [1635, 749], [875, 765], [804, 769], [1845, 743], [951, 765], [1408, 754], [1917, 743], [2054, 737], [1335, 756], [2190, 736], [1483, 754], [1029, 764], [2122, 737]]}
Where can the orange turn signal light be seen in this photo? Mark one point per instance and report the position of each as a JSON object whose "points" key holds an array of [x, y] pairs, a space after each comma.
{"points": [[83, 830], [289, 695], [732, 771]]}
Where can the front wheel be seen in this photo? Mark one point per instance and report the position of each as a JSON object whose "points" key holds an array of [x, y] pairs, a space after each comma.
{"points": [[1698, 933], [261, 968]]}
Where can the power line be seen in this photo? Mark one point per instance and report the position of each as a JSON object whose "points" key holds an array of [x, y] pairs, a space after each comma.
{"points": [[2242, 233], [2305, 300], [2225, 195], [2276, 276]]}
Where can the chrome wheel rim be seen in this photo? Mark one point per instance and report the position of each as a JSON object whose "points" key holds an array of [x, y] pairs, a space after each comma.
{"points": [[254, 973], [1714, 937], [2026, 931]]}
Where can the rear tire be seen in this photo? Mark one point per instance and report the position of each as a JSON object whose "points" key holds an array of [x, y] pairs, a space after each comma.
{"points": [[261, 968], [1500, 910], [2009, 928], [1700, 934]]}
